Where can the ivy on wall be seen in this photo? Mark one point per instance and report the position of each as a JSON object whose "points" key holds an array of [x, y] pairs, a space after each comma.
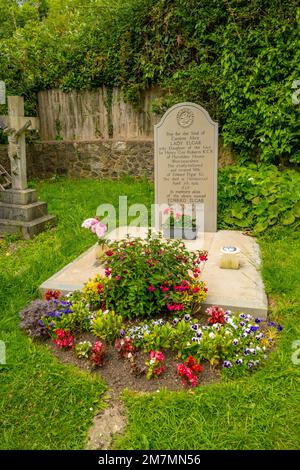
{"points": [[237, 58]]}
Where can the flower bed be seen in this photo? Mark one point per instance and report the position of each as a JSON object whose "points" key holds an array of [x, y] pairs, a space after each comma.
{"points": [[144, 315], [148, 277]]}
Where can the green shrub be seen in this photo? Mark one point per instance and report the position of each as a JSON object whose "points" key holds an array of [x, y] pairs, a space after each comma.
{"points": [[73, 317], [158, 338], [107, 325], [237, 59], [83, 349], [148, 277], [258, 197]]}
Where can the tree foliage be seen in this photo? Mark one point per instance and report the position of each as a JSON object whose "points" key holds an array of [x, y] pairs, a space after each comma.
{"points": [[237, 58]]}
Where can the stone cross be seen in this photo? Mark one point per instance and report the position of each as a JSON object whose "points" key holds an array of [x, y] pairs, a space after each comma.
{"points": [[15, 125]]}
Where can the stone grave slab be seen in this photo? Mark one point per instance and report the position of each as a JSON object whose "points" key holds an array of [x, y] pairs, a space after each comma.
{"points": [[237, 290]]}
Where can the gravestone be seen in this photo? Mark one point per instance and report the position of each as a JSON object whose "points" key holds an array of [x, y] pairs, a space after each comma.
{"points": [[186, 161], [19, 209]]}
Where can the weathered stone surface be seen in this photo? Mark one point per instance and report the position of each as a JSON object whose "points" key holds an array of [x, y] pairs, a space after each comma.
{"points": [[12, 196], [47, 159], [27, 229], [186, 162], [238, 290], [26, 212]]}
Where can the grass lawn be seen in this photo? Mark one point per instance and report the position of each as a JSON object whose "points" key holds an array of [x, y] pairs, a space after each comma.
{"points": [[48, 405]]}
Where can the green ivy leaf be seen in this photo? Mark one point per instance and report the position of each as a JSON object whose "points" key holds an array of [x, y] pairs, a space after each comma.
{"points": [[297, 210], [288, 218], [261, 226]]}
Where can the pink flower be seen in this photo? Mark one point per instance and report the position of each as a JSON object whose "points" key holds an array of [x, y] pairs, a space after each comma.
{"points": [[159, 356], [167, 211], [178, 215], [88, 223], [100, 229], [164, 288], [107, 272], [151, 288], [178, 307], [152, 354], [171, 307]]}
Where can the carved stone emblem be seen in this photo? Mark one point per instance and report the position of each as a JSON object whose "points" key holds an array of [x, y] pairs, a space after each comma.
{"points": [[185, 117]]}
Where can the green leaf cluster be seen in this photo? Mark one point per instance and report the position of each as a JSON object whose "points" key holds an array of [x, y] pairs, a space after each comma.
{"points": [[258, 197], [238, 59]]}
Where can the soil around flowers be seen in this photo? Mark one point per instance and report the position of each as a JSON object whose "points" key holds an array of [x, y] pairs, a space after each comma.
{"points": [[117, 372]]}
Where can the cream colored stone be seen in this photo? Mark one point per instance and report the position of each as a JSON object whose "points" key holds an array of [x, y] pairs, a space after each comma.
{"points": [[186, 158], [237, 290]]}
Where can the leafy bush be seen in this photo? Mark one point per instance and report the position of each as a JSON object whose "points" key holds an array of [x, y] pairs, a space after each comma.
{"points": [[237, 59], [125, 348], [97, 354], [63, 339], [68, 315], [93, 292], [32, 315], [147, 277], [239, 343], [188, 371], [257, 197], [156, 364], [107, 325], [82, 349]]}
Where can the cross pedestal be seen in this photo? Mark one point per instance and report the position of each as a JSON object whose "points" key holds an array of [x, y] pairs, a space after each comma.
{"points": [[20, 211]]}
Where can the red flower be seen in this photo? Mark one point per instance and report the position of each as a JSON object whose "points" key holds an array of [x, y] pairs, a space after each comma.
{"points": [[63, 339], [216, 315], [189, 371], [170, 307], [97, 354], [52, 294], [107, 272], [151, 288], [109, 253], [195, 289], [100, 289], [164, 288]]}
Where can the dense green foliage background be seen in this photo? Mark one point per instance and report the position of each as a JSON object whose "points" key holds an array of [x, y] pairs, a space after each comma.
{"points": [[237, 58]]}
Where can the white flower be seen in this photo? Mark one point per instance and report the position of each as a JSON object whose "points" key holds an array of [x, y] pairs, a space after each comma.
{"points": [[211, 335]]}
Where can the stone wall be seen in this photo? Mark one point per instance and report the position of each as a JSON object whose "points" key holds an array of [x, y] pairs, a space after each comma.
{"points": [[93, 159]]}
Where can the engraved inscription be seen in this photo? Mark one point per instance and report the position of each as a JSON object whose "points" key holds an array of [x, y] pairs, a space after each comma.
{"points": [[186, 161]]}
